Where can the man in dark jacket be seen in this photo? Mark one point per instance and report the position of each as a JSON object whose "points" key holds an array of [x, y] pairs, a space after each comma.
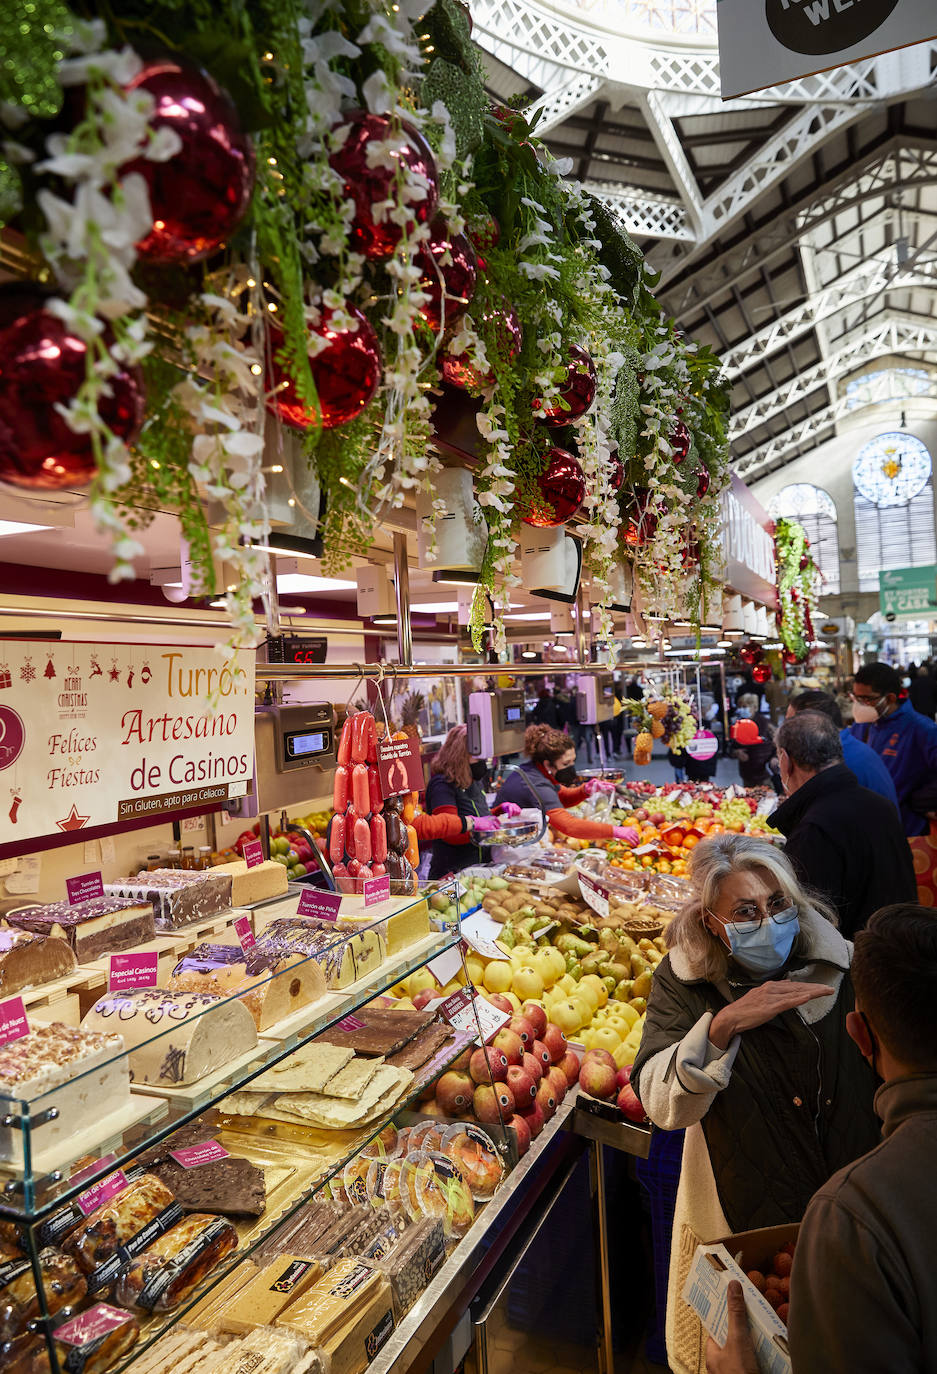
{"points": [[862, 1288], [905, 740], [844, 841], [858, 757]]}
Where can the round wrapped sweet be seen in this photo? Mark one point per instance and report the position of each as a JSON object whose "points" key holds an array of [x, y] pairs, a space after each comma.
{"points": [[426, 1135], [442, 1192], [355, 1178]]}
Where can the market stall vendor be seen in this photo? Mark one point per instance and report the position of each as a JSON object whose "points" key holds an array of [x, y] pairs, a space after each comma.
{"points": [[456, 807], [547, 779]]}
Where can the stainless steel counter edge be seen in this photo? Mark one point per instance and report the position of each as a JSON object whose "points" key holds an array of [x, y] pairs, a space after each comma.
{"points": [[408, 1338]]}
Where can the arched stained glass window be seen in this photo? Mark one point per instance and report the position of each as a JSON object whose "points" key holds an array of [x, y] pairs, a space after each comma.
{"points": [[813, 508], [894, 501]]}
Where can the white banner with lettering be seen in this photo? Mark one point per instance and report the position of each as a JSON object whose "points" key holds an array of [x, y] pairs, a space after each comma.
{"points": [[94, 734], [767, 42]]}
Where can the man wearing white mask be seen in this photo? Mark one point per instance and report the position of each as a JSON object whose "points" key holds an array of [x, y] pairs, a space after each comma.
{"points": [[845, 841], [905, 741]]}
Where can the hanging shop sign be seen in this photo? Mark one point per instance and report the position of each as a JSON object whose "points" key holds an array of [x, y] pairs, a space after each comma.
{"points": [[766, 42], [908, 592], [97, 734]]}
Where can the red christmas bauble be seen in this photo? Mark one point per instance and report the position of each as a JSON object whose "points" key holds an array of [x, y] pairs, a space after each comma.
{"points": [[43, 365], [458, 371], [616, 472], [485, 235], [369, 186], [576, 394], [562, 487], [199, 197], [346, 373], [790, 658], [703, 480], [642, 521], [761, 673], [457, 277], [751, 654], [680, 441]]}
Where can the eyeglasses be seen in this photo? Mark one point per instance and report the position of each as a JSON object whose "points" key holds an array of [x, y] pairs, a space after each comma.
{"points": [[748, 916], [869, 701]]}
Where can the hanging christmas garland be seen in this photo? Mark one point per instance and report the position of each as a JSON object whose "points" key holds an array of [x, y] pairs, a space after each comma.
{"points": [[798, 585]]}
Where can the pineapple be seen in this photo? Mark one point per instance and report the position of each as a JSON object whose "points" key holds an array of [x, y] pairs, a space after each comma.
{"points": [[413, 704], [658, 709]]}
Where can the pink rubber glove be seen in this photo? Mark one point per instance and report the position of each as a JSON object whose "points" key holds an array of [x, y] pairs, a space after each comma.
{"points": [[483, 823], [626, 833], [507, 809], [599, 785]]}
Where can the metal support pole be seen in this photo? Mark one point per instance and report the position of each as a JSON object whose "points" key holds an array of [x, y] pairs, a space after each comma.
{"points": [[581, 626], [600, 1217], [725, 705], [402, 591]]}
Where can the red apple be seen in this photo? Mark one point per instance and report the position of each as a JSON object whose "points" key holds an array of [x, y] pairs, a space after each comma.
{"points": [[623, 1076], [537, 1017], [510, 1044], [599, 1057], [493, 1104], [557, 1080], [522, 1131], [498, 999], [532, 1065], [463, 1061], [546, 1099], [522, 1027], [423, 996], [488, 1065], [522, 1086], [539, 1051], [570, 1066], [555, 1042], [454, 1092], [535, 1119], [628, 1104], [598, 1080]]}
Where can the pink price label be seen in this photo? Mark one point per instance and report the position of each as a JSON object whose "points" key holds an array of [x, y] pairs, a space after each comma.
{"points": [[253, 853], [91, 1325], [102, 1192], [349, 1023], [93, 1168], [13, 1023], [133, 971], [242, 929], [376, 890], [324, 906], [84, 887], [195, 1155]]}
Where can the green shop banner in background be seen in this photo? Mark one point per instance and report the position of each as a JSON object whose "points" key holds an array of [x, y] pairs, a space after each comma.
{"points": [[910, 592]]}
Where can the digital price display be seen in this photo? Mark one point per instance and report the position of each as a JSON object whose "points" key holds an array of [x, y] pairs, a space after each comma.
{"points": [[303, 746], [294, 649]]}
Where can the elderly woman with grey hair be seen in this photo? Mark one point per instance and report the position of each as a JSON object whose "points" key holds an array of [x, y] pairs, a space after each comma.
{"points": [[745, 1044]]}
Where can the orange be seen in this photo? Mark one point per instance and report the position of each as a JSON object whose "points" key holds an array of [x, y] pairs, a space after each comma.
{"points": [[690, 842]]}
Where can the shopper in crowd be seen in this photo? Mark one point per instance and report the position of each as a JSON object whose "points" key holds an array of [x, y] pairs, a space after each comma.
{"points": [[456, 807], [862, 1286], [845, 842], [546, 711], [752, 751], [776, 696], [905, 741], [858, 757], [745, 1044], [547, 779], [922, 693]]}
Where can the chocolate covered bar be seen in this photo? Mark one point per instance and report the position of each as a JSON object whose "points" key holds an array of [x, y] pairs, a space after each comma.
{"points": [[101, 925], [233, 1186], [28, 960], [177, 896]]}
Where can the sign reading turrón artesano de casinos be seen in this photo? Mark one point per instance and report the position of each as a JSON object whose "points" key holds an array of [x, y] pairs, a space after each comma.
{"points": [[93, 734]]}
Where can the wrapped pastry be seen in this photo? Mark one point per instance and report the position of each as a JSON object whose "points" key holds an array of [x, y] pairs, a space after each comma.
{"points": [[95, 1339], [166, 1273], [128, 1223], [63, 1283]]}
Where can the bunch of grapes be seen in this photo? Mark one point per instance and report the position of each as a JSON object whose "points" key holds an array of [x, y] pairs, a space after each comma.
{"points": [[679, 725]]}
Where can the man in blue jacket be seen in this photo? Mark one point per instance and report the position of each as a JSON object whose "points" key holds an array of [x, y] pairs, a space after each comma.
{"points": [[904, 740], [858, 757]]}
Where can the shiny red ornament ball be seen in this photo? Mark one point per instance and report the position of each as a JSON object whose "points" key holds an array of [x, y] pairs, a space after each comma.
{"points": [[642, 521], [761, 673], [790, 658], [485, 235], [616, 472], [43, 365], [703, 480], [372, 232], [199, 196], [751, 653], [561, 490], [459, 371], [456, 277], [346, 373], [576, 394], [680, 441]]}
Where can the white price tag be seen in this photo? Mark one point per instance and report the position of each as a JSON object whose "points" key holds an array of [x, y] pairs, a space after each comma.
{"points": [[766, 806], [446, 965], [480, 932], [469, 1013], [595, 896]]}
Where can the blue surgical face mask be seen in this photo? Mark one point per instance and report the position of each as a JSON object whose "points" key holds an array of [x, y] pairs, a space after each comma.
{"points": [[764, 946]]}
